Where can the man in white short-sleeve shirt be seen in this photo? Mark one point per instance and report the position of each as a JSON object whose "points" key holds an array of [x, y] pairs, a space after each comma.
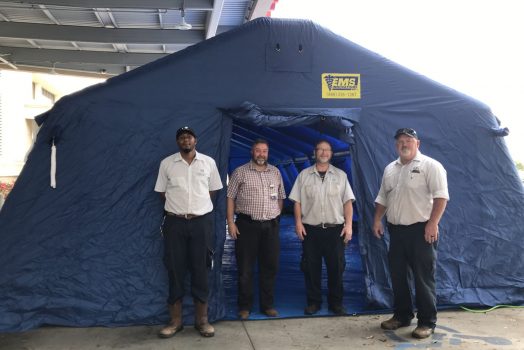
{"points": [[187, 180], [413, 197], [323, 211]]}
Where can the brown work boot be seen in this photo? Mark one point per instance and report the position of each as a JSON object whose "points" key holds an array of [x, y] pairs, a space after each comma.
{"points": [[175, 325], [243, 314], [311, 309], [271, 312], [201, 324], [422, 332], [338, 310], [393, 324]]}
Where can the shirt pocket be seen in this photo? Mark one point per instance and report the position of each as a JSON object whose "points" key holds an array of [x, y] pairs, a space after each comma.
{"points": [[334, 188], [416, 180], [310, 191], [177, 182], [201, 182], [203, 175]]}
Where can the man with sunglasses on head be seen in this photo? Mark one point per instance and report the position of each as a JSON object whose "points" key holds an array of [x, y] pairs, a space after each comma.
{"points": [[413, 196], [188, 180], [323, 222]]}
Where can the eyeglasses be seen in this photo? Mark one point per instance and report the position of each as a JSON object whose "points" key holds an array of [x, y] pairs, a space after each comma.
{"points": [[322, 149]]}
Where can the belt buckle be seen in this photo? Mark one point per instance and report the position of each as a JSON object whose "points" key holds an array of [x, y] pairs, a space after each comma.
{"points": [[323, 226], [186, 216]]}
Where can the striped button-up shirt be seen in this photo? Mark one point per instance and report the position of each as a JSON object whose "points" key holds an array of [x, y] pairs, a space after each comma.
{"points": [[256, 193]]}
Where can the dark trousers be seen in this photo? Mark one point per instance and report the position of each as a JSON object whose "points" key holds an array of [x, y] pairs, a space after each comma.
{"points": [[257, 240], [186, 247], [323, 243], [409, 250]]}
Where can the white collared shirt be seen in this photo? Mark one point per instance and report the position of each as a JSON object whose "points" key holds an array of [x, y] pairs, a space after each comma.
{"points": [[187, 186], [408, 190], [322, 201]]}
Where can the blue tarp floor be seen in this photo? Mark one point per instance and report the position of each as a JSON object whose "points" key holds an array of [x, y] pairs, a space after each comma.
{"points": [[290, 295]]}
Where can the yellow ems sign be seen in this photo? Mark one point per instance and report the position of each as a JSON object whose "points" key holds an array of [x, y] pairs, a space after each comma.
{"points": [[340, 85]]}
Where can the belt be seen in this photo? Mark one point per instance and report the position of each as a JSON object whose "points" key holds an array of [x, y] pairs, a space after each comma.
{"points": [[324, 225], [408, 226], [183, 216], [248, 217]]}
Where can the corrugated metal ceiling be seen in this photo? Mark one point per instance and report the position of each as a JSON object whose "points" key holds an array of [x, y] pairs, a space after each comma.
{"points": [[63, 35]]}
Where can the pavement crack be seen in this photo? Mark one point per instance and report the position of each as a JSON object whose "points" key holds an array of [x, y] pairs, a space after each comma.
{"points": [[248, 335]]}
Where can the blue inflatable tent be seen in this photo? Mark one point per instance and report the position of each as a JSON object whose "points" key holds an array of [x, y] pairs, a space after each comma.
{"points": [[88, 252]]}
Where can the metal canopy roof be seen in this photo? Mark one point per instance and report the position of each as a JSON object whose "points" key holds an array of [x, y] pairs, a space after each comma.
{"points": [[111, 37]]}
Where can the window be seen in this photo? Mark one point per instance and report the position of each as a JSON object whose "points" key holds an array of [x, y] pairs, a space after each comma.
{"points": [[48, 94]]}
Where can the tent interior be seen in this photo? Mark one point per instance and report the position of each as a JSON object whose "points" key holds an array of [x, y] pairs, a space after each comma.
{"points": [[291, 149]]}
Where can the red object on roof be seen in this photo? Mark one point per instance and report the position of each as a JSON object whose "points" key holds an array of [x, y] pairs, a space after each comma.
{"points": [[271, 8]]}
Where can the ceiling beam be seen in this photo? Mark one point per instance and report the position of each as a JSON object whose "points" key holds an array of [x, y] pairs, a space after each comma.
{"points": [[213, 18], [99, 35], [18, 55], [161, 19], [72, 69], [102, 14], [7, 62], [205, 5], [49, 14], [3, 18]]}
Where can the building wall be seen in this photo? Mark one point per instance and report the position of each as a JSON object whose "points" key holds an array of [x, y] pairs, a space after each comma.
{"points": [[23, 96], [15, 95]]}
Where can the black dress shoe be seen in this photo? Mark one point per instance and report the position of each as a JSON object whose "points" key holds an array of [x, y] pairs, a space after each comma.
{"points": [[338, 310], [312, 309]]}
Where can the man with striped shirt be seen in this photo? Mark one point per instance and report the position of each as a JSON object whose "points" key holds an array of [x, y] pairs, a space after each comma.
{"points": [[256, 194]]}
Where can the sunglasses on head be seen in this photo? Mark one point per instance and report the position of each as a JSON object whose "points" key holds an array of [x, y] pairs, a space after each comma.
{"points": [[406, 131]]}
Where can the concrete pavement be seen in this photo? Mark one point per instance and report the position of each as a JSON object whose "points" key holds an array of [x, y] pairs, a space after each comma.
{"points": [[501, 329]]}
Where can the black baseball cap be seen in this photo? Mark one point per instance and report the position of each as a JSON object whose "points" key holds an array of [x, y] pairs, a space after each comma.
{"points": [[406, 131], [185, 130]]}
